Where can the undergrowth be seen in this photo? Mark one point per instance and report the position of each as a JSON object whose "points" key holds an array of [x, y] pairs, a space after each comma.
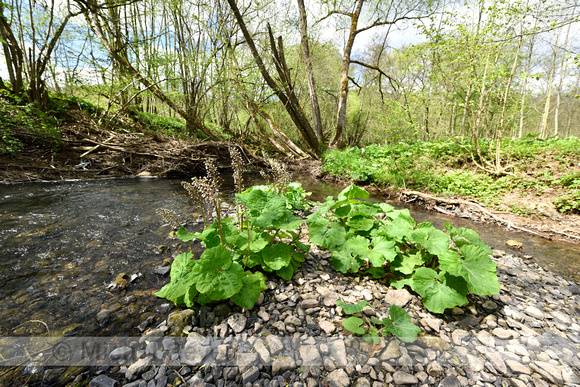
{"points": [[446, 167]]}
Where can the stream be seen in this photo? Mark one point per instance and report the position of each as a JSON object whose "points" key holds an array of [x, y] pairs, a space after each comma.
{"points": [[63, 243]]}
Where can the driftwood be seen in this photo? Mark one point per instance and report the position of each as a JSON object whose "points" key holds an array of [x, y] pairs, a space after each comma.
{"points": [[466, 205]]}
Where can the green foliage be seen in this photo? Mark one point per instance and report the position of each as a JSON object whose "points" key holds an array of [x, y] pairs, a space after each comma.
{"points": [[399, 324], [265, 237], [441, 267], [568, 203]]}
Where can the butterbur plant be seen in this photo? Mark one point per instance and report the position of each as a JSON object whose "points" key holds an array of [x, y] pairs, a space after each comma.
{"points": [[264, 238], [387, 243], [399, 324]]}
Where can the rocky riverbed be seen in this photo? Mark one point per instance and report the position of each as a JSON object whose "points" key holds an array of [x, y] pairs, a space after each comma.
{"points": [[529, 335]]}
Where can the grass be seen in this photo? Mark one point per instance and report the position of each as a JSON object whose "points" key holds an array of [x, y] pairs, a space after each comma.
{"points": [[446, 168]]}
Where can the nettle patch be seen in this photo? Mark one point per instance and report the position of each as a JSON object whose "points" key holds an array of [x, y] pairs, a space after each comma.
{"points": [[363, 237]]}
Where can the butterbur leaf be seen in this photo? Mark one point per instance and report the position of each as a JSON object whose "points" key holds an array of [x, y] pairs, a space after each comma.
{"points": [[344, 262], [407, 263], [465, 236], [381, 252], [400, 325], [376, 272], [479, 271], [353, 324], [437, 294], [182, 264], [373, 336], [277, 256], [361, 222], [177, 289], [351, 192], [326, 234], [403, 215], [398, 228], [216, 274], [343, 211], [253, 285], [183, 235], [350, 308], [434, 241], [451, 261], [357, 245], [400, 284], [366, 208]]}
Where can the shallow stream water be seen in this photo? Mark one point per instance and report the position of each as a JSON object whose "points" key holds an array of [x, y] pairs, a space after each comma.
{"points": [[62, 244]]}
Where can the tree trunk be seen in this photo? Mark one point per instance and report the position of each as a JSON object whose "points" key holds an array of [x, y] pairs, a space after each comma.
{"points": [[341, 114], [309, 72]]}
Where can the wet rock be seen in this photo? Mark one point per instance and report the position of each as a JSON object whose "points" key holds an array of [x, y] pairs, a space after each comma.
{"points": [[121, 353], [237, 322], [283, 364], [337, 378], [401, 377], [195, 350], [450, 381], [177, 321], [162, 270], [251, 375], [399, 297], [103, 316], [137, 368], [103, 381]]}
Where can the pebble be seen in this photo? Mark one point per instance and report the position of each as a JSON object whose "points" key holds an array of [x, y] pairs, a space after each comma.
{"points": [[529, 335]]}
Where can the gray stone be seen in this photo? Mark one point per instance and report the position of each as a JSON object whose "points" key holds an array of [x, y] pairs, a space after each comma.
{"points": [[327, 326], [450, 381], [103, 381], [433, 323], [399, 297], [245, 360], [434, 342], [496, 361], [237, 322], [561, 317], [337, 378], [517, 367], [195, 350], [534, 312], [570, 377], [328, 364], [362, 382], [458, 335], [504, 334], [274, 344], [338, 352], [310, 356], [262, 352], [548, 371], [102, 316], [251, 375], [264, 315], [485, 338], [137, 368], [309, 303], [393, 351], [400, 377], [162, 270], [435, 369], [475, 363], [293, 320], [283, 364], [121, 353], [177, 321]]}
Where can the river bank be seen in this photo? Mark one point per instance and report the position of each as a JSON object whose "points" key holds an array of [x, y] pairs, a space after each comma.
{"points": [[529, 334]]}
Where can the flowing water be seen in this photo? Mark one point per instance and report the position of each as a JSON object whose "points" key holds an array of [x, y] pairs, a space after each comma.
{"points": [[62, 244]]}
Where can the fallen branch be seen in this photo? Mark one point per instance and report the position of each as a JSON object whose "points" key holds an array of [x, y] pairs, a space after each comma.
{"points": [[480, 208]]}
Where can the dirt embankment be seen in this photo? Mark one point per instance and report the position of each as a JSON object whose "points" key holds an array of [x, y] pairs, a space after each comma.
{"points": [[88, 151]]}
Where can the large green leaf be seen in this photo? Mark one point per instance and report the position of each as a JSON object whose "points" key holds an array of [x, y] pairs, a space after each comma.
{"points": [[366, 208], [183, 235], [382, 251], [402, 214], [406, 263], [479, 271], [182, 264], [343, 261], [451, 261], [216, 274], [350, 308], [400, 325], [325, 234], [353, 324], [437, 293], [361, 222], [357, 245], [398, 228], [465, 236], [253, 285], [351, 192], [277, 256], [177, 289], [434, 241]]}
